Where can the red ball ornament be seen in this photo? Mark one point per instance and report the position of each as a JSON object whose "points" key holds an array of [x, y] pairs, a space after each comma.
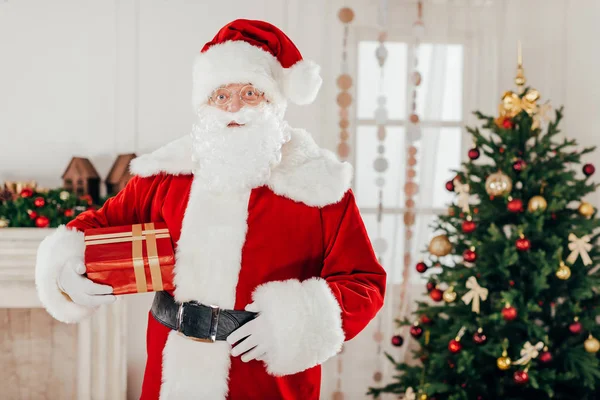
{"points": [[515, 205], [507, 123], [519, 165], [474, 153], [450, 186], [523, 244], [575, 328], [397, 340], [421, 267], [430, 286], [509, 313], [416, 331], [436, 295], [479, 337], [454, 346], [425, 319], [39, 202], [26, 192], [521, 377], [545, 357], [42, 222], [589, 169], [69, 212], [468, 226], [32, 214], [469, 255], [501, 150]]}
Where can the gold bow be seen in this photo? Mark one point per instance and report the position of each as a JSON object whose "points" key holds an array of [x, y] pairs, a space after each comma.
{"points": [[512, 104], [462, 189], [474, 295], [579, 247], [529, 352]]}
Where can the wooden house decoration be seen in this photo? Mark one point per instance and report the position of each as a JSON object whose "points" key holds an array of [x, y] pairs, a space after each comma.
{"points": [[82, 178], [119, 174]]}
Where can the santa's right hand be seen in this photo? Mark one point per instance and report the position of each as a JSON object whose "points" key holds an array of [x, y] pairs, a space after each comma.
{"points": [[80, 289]]}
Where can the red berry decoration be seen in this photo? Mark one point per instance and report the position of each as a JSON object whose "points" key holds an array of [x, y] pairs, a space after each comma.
{"points": [[575, 327], [26, 193], [69, 212], [545, 357], [479, 337], [468, 226], [397, 340], [416, 331], [421, 267], [454, 346], [515, 205], [39, 202], [589, 169], [523, 244], [32, 214], [436, 295], [425, 319], [42, 222], [450, 186], [469, 255], [519, 165], [474, 153], [430, 286], [509, 313], [521, 377]]}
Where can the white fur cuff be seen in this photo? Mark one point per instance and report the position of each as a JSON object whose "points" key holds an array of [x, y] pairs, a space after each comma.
{"points": [[305, 319], [53, 253]]}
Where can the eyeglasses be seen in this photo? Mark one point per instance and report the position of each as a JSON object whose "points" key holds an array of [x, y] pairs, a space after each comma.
{"points": [[248, 95]]}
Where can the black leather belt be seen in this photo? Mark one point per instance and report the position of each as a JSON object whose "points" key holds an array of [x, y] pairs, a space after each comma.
{"points": [[197, 321]]}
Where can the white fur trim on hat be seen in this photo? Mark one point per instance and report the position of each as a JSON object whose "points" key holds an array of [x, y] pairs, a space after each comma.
{"points": [[241, 62]]}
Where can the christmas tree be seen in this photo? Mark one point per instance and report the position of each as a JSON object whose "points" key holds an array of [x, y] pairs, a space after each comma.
{"points": [[514, 283]]}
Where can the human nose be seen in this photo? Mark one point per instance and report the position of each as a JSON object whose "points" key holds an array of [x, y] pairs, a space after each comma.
{"points": [[235, 105]]}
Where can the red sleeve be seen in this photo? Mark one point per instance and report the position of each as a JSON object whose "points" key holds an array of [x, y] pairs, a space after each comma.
{"points": [[126, 208], [350, 267]]}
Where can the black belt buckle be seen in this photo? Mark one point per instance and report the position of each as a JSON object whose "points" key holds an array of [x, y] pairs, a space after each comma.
{"points": [[214, 321]]}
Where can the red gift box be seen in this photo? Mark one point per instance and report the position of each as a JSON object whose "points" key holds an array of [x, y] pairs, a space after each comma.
{"points": [[132, 259]]}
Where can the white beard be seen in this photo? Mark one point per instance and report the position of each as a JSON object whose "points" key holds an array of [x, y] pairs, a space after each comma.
{"points": [[237, 158]]}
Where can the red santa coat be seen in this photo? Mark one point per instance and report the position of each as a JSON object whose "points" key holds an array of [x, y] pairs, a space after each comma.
{"points": [[296, 247]]}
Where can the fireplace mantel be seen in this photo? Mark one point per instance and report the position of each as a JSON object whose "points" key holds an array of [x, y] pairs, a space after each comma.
{"points": [[102, 353]]}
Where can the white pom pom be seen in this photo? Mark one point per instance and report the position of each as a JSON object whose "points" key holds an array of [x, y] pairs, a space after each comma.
{"points": [[302, 81]]}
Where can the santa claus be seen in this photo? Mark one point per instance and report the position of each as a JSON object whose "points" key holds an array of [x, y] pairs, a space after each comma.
{"points": [[274, 269]]}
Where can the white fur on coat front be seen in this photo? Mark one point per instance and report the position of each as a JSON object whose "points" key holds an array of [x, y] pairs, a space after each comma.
{"points": [[208, 262], [305, 321], [53, 253]]}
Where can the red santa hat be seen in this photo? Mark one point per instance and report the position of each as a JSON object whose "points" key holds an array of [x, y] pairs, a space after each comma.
{"points": [[246, 51]]}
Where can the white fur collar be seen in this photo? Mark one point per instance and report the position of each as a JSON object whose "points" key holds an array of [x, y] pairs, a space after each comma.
{"points": [[307, 173]]}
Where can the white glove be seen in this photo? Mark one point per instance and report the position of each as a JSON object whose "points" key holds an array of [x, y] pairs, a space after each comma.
{"points": [[80, 289], [254, 347]]}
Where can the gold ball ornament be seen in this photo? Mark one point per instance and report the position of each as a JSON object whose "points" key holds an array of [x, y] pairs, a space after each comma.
{"points": [[423, 396], [537, 203], [563, 272], [591, 344], [440, 246], [503, 363], [498, 184], [449, 295], [586, 209], [64, 195]]}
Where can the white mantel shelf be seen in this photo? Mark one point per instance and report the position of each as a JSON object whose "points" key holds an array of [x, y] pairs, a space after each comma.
{"points": [[102, 361]]}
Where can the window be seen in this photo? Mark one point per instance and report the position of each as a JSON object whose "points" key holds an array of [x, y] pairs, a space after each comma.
{"points": [[440, 108]]}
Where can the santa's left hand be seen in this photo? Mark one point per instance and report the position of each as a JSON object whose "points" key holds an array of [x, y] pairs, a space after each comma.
{"points": [[257, 336]]}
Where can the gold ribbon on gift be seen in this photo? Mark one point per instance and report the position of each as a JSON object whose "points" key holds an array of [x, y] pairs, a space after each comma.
{"points": [[475, 295], [579, 247], [529, 352], [462, 189], [137, 237]]}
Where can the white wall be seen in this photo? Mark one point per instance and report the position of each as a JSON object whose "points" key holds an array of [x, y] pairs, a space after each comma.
{"points": [[96, 79]]}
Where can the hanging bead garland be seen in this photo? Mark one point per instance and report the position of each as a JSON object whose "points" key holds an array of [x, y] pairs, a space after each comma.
{"points": [[344, 83]]}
